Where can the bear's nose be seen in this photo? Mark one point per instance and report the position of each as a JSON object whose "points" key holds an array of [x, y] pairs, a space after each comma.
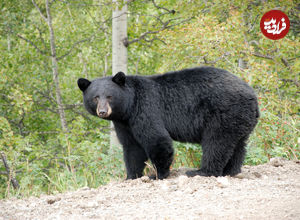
{"points": [[102, 113]]}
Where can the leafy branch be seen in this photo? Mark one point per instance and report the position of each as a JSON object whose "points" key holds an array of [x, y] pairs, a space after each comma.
{"points": [[143, 36], [163, 8], [163, 25], [74, 45], [32, 44], [40, 11]]}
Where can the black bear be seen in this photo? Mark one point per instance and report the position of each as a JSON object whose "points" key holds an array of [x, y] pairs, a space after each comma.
{"points": [[204, 105]]}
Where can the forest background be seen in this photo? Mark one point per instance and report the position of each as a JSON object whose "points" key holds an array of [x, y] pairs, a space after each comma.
{"points": [[49, 143]]}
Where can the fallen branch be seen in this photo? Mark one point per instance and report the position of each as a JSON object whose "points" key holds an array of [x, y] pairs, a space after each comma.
{"points": [[263, 56]]}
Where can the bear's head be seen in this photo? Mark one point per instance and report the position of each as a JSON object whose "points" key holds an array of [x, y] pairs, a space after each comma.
{"points": [[108, 97]]}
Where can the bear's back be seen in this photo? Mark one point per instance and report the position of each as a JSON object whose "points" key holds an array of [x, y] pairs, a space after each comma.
{"points": [[201, 75], [203, 80], [191, 74]]}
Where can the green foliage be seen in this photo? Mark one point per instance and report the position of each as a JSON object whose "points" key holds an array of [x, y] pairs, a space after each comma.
{"points": [[218, 33], [187, 155], [61, 163]]}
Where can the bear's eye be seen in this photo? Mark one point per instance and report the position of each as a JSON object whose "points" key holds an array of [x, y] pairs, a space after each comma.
{"points": [[109, 97], [95, 99]]}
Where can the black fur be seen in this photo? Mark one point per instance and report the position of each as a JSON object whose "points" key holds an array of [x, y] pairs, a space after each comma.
{"points": [[202, 105]]}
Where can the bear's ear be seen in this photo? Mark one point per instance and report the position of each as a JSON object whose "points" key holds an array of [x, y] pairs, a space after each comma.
{"points": [[119, 78], [83, 84]]}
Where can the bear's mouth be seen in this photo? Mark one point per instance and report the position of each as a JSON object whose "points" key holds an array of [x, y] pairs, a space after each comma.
{"points": [[102, 115]]}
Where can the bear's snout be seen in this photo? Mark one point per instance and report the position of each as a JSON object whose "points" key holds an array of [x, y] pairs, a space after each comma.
{"points": [[103, 110], [101, 113]]}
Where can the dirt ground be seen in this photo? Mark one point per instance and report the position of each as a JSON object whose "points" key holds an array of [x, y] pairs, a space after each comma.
{"points": [[269, 191]]}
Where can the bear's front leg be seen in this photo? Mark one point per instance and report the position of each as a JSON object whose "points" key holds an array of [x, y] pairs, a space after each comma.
{"points": [[134, 155], [152, 136], [135, 158], [161, 155]]}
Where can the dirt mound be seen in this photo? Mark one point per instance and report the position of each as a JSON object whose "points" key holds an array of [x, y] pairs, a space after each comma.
{"points": [[269, 191]]}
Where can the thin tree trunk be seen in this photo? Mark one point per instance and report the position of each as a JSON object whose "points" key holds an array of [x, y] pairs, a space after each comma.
{"points": [[8, 42], [9, 173], [55, 71], [119, 51], [105, 27], [119, 35]]}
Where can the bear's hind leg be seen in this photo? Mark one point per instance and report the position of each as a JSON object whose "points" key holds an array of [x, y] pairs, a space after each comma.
{"points": [[217, 151], [233, 167]]}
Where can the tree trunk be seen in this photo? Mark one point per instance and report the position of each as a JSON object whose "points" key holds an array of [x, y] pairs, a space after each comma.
{"points": [[8, 42], [119, 51], [9, 172], [55, 71]]}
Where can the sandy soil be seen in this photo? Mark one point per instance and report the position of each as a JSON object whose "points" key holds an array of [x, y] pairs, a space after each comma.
{"points": [[269, 191]]}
